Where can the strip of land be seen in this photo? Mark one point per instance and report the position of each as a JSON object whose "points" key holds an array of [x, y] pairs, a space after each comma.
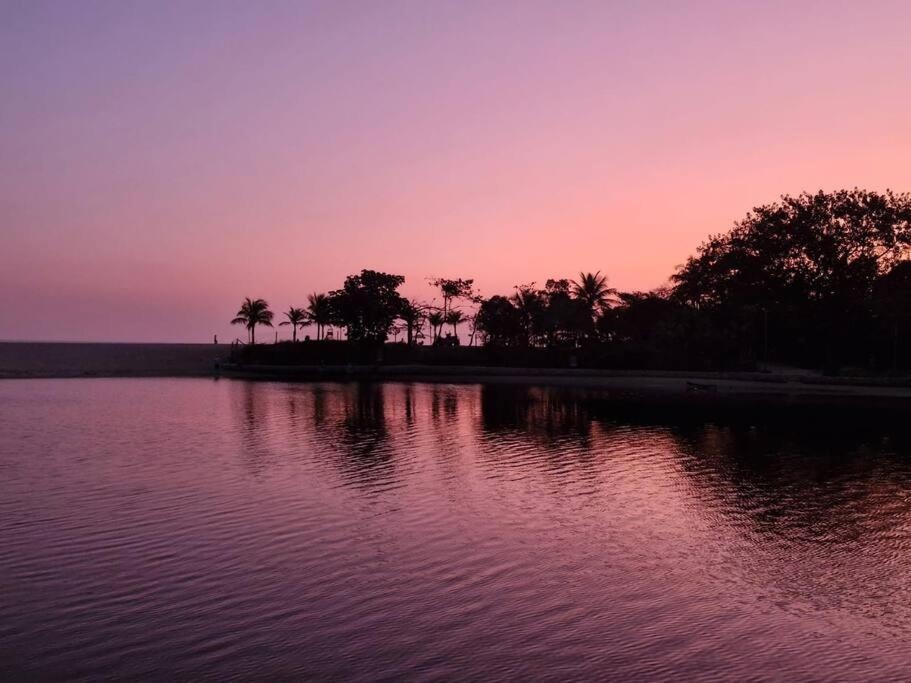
{"points": [[701, 385], [65, 359], [24, 360]]}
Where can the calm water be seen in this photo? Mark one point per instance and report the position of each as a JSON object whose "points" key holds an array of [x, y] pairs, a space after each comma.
{"points": [[179, 528]]}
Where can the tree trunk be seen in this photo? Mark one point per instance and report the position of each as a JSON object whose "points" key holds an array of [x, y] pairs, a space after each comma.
{"points": [[252, 335]]}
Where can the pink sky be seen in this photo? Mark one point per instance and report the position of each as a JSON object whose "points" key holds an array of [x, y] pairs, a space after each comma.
{"points": [[162, 160]]}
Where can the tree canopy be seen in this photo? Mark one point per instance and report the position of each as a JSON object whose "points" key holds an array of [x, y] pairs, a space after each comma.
{"points": [[368, 305], [810, 263], [818, 280], [812, 247]]}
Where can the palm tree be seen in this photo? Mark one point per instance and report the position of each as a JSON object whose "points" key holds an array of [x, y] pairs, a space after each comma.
{"points": [[592, 289], [531, 306], [436, 321], [295, 317], [319, 312], [454, 318], [253, 312], [412, 314]]}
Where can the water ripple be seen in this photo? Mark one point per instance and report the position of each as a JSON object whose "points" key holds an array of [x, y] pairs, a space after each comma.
{"points": [[190, 528]]}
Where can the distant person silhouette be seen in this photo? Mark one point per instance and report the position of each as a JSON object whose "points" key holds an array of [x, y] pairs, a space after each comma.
{"points": [[215, 339]]}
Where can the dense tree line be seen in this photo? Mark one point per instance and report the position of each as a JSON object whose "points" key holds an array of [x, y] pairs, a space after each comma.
{"points": [[819, 280], [824, 276]]}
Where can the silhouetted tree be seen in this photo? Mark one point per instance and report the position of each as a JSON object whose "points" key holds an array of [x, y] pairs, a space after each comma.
{"points": [[500, 322], [650, 329], [815, 246], [294, 317], [412, 314], [319, 312], [436, 320], [531, 305], [547, 317], [368, 304], [806, 266], [453, 290], [592, 290], [565, 318], [455, 318], [253, 312]]}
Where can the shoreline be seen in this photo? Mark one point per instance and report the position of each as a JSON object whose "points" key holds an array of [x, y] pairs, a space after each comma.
{"points": [[65, 360], [70, 360], [631, 384]]}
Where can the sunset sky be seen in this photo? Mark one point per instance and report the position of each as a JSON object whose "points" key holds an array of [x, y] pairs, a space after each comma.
{"points": [[161, 160]]}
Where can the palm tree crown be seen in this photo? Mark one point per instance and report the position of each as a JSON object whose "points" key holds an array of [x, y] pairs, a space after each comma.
{"points": [[412, 314], [253, 312], [319, 312], [296, 317], [592, 289], [455, 317], [436, 321]]}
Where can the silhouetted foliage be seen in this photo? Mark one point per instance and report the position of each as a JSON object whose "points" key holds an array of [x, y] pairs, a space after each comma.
{"points": [[565, 318], [648, 329], [367, 305], [500, 322], [453, 290], [455, 318], [542, 317], [319, 312], [436, 320], [411, 313], [807, 266], [817, 280], [296, 317], [253, 312], [592, 290], [531, 305]]}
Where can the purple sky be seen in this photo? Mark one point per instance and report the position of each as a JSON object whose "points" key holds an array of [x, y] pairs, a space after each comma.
{"points": [[162, 160]]}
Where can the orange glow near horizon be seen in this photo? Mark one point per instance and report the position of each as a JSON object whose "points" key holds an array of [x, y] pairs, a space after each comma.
{"points": [[161, 161]]}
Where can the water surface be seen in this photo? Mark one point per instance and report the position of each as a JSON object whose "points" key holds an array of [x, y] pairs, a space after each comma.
{"points": [[189, 527]]}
